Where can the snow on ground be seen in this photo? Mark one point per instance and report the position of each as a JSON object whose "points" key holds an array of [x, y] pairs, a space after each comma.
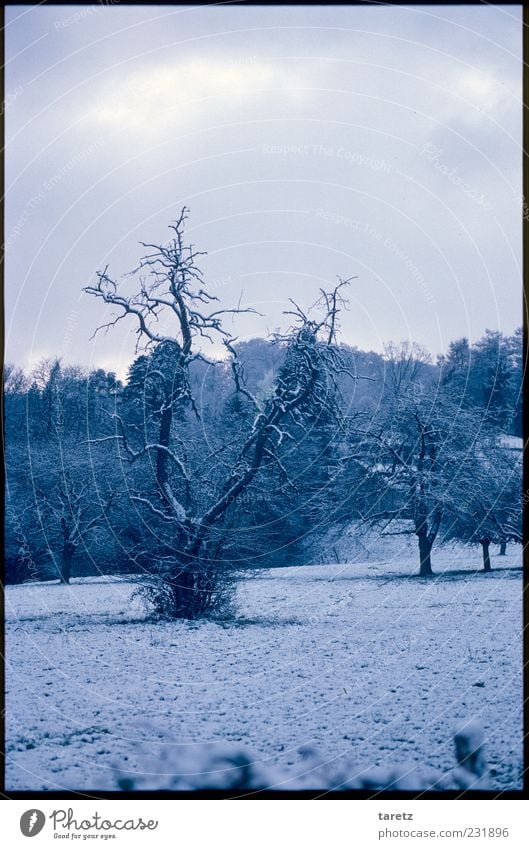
{"points": [[357, 660]]}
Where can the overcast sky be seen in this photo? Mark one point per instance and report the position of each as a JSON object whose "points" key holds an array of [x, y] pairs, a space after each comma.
{"points": [[308, 142]]}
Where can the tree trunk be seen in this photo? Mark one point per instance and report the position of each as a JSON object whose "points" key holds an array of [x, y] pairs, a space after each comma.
{"points": [[164, 438], [425, 549], [503, 548], [486, 557], [66, 563]]}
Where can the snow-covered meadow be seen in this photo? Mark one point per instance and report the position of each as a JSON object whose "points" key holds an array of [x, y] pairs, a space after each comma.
{"points": [[360, 661]]}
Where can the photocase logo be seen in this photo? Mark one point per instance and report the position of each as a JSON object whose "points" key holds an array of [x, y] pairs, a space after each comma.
{"points": [[32, 822]]}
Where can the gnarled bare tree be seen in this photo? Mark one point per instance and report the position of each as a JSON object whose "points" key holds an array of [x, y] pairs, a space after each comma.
{"points": [[188, 503]]}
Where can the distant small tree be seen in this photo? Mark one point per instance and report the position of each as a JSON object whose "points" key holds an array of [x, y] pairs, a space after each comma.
{"points": [[72, 511], [409, 453], [486, 506]]}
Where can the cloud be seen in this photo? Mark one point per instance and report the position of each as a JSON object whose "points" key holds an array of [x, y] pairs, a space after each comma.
{"points": [[175, 93]]}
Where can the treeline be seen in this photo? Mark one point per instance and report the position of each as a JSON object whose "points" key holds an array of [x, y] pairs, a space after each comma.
{"points": [[74, 485]]}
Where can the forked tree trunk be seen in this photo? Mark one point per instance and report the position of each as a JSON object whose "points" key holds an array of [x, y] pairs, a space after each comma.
{"points": [[503, 548], [485, 543], [66, 563], [425, 550]]}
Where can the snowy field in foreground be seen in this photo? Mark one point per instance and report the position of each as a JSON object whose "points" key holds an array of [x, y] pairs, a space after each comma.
{"points": [[358, 660]]}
